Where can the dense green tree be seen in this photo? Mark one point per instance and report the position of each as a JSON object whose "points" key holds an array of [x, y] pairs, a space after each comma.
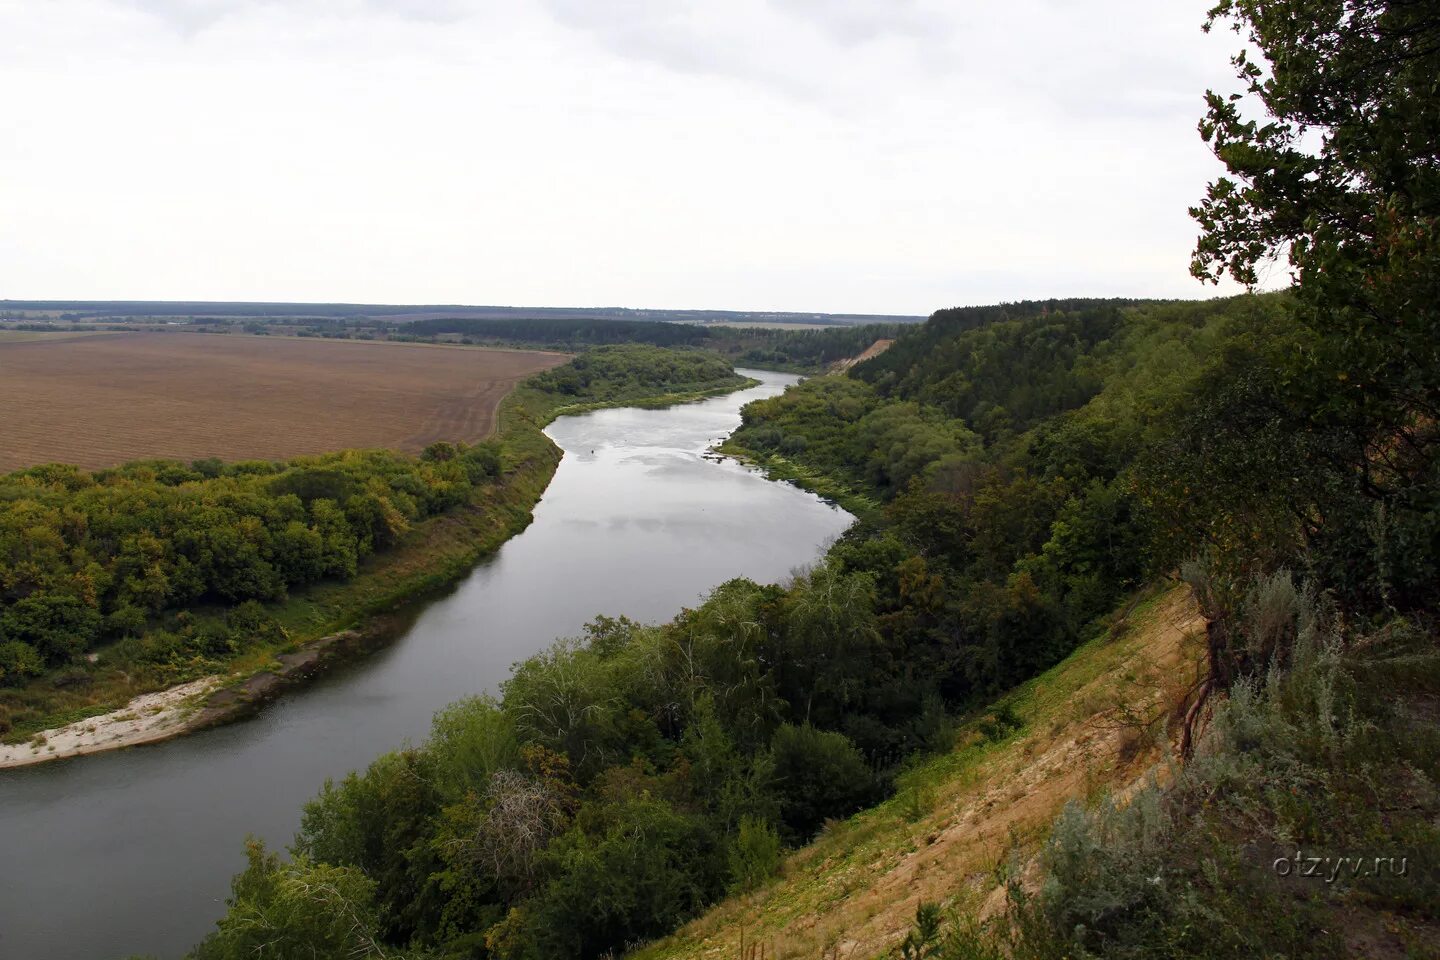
{"points": [[819, 775], [830, 641], [634, 869], [470, 741], [381, 823], [1342, 175], [566, 699], [300, 910], [57, 626]]}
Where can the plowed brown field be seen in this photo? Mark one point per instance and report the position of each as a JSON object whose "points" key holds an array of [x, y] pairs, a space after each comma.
{"points": [[98, 401]]}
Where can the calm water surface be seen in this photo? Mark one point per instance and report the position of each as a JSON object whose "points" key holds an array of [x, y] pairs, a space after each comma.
{"points": [[132, 852]]}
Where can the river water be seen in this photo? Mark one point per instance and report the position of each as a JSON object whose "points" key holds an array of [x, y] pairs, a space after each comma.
{"points": [[132, 852]]}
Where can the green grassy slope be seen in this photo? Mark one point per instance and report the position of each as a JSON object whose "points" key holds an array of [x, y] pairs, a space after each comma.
{"points": [[958, 820]]}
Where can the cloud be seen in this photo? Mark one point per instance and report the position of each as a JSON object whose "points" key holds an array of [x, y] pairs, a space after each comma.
{"points": [[191, 16], [855, 22], [817, 50], [853, 155]]}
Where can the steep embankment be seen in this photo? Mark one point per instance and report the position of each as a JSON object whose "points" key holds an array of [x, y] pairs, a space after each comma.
{"points": [[957, 823], [874, 350]]}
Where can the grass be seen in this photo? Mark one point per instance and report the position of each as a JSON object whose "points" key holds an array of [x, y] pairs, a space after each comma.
{"points": [[960, 820], [433, 554]]}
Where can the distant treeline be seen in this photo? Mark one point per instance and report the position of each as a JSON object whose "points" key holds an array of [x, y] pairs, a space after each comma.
{"points": [[627, 371], [562, 332], [803, 349], [81, 309]]}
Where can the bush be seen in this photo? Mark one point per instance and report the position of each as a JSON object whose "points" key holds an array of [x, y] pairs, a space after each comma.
{"points": [[754, 854], [820, 775], [249, 625], [295, 911], [59, 627], [18, 662], [470, 740], [481, 462]]}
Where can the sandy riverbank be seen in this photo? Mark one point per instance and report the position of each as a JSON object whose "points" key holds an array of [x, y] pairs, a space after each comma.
{"points": [[147, 718]]}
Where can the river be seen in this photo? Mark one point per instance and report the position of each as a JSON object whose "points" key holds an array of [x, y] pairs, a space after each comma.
{"points": [[132, 852]]}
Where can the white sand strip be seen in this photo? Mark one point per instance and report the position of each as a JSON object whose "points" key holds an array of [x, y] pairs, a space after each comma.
{"points": [[150, 717]]}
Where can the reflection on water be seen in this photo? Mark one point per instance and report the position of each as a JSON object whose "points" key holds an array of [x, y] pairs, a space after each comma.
{"points": [[132, 852]]}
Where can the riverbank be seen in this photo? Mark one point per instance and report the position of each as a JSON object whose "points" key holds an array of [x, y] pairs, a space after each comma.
{"points": [[776, 467], [147, 718], [334, 622]]}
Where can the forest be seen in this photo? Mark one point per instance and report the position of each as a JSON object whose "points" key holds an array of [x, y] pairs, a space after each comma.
{"points": [[560, 332], [168, 569], [1029, 466], [801, 350], [94, 557], [632, 371]]}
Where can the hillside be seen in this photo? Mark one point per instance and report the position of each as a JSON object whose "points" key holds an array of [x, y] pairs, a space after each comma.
{"points": [[869, 353], [959, 820]]}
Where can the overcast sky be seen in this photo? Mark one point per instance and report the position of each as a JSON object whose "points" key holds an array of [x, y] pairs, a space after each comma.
{"points": [[882, 156]]}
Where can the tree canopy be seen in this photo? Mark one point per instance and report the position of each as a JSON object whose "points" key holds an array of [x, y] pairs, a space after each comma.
{"points": [[1331, 415]]}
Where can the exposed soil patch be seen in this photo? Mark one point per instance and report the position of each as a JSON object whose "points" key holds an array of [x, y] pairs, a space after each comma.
{"points": [[874, 350]]}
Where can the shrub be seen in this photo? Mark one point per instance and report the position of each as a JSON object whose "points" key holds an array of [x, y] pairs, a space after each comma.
{"points": [[471, 740], [820, 775], [754, 854], [295, 911], [481, 462], [58, 626], [18, 661]]}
